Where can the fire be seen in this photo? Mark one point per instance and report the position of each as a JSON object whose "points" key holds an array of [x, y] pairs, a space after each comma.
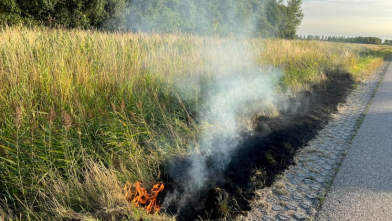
{"points": [[139, 196]]}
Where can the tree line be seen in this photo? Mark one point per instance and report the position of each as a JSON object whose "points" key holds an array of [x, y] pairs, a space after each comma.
{"points": [[360, 40], [266, 18], [387, 42]]}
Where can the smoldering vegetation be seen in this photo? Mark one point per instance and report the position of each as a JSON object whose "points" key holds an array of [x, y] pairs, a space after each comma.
{"points": [[230, 159], [83, 112], [229, 96]]}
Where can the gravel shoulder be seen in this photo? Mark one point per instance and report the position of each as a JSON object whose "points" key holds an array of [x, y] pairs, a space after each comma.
{"points": [[362, 189]]}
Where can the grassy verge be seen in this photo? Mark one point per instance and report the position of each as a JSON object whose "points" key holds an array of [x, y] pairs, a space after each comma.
{"points": [[369, 61], [82, 112]]}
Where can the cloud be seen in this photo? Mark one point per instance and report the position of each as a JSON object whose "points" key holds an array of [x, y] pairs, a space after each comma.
{"points": [[347, 18]]}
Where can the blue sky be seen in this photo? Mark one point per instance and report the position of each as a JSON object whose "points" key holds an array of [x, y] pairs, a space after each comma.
{"points": [[367, 18]]}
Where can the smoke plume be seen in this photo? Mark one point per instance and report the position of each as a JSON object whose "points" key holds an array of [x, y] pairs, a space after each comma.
{"points": [[237, 89]]}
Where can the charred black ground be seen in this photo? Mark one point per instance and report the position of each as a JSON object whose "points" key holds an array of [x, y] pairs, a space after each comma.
{"points": [[263, 154]]}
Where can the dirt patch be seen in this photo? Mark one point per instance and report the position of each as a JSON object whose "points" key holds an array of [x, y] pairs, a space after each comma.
{"points": [[261, 155]]}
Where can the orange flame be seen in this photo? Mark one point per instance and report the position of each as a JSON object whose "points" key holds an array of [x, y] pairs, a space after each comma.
{"points": [[139, 196]]}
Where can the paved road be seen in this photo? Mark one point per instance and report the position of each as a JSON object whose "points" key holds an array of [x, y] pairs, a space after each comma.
{"points": [[362, 189]]}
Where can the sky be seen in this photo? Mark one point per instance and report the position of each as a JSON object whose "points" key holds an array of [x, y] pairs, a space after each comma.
{"points": [[349, 18]]}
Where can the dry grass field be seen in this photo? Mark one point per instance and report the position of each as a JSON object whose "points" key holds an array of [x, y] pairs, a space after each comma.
{"points": [[83, 112]]}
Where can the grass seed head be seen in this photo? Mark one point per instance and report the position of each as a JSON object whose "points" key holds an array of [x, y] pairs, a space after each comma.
{"points": [[123, 106], [52, 116], [18, 116], [114, 109], [67, 120], [33, 124]]}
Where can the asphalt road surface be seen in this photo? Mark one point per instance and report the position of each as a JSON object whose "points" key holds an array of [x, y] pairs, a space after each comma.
{"points": [[362, 189]]}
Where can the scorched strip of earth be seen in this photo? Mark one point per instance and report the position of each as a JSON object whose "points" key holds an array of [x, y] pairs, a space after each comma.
{"points": [[261, 155]]}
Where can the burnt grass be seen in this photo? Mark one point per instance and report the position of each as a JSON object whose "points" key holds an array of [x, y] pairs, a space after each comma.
{"points": [[261, 155]]}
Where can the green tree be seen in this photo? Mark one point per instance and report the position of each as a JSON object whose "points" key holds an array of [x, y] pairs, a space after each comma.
{"points": [[267, 18], [293, 19], [109, 14], [276, 18], [9, 12], [207, 17]]}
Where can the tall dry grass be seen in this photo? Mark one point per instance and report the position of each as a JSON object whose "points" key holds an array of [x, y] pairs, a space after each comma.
{"points": [[83, 111]]}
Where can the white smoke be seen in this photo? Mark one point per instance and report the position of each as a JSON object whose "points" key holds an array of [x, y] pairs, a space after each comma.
{"points": [[236, 87], [236, 84]]}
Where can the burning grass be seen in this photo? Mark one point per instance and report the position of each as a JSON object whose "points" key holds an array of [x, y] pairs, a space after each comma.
{"points": [[138, 195], [260, 157], [132, 102]]}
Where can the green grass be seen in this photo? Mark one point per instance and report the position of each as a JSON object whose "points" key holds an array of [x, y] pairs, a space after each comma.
{"points": [[321, 199], [82, 112]]}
